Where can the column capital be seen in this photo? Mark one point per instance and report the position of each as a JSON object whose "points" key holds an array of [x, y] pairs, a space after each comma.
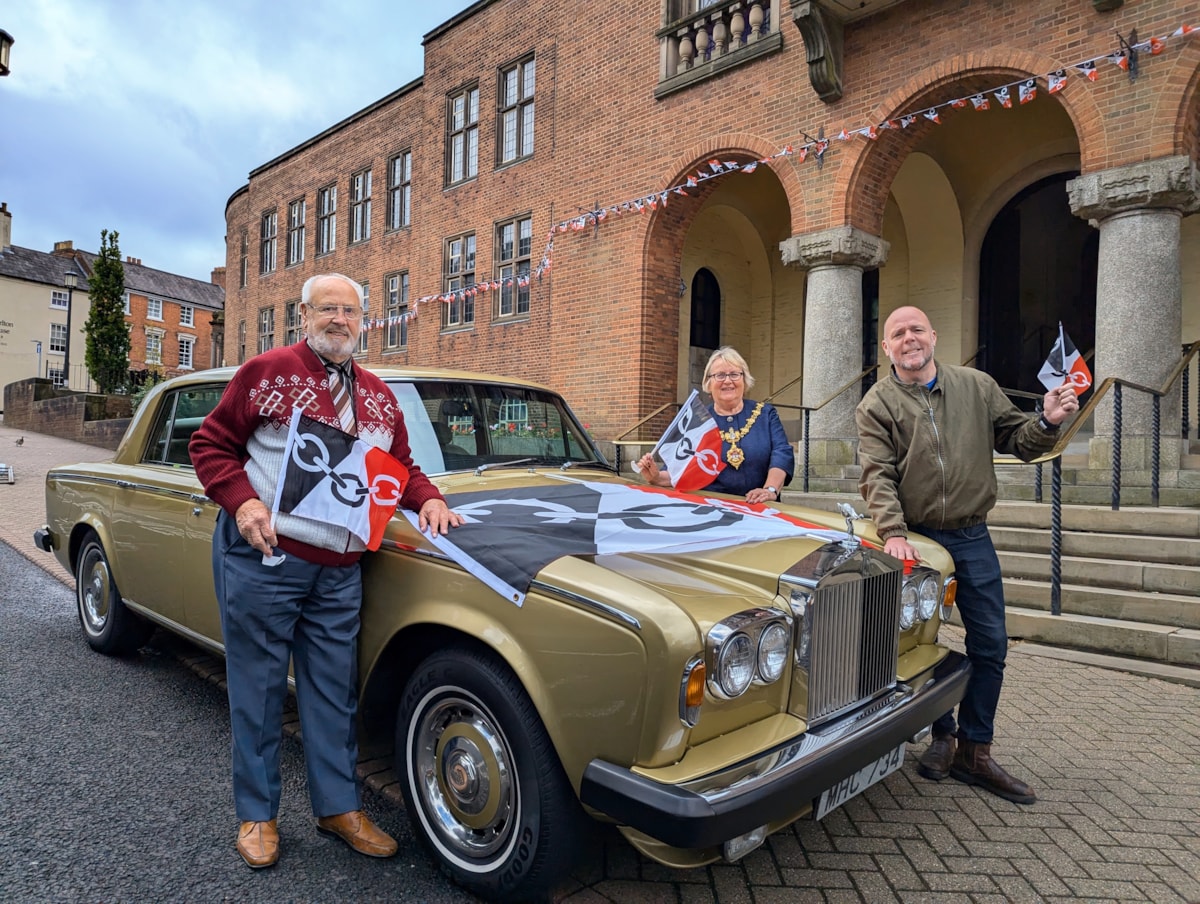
{"points": [[1166, 183], [842, 246]]}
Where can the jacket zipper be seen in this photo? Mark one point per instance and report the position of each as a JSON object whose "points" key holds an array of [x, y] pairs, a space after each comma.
{"points": [[937, 436]]}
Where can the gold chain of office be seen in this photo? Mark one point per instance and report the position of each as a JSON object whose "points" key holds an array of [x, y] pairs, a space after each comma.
{"points": [[735, 456]]}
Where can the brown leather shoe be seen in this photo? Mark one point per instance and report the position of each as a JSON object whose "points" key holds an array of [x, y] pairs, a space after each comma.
{"points": [[258, 843], [359, 832], [974, 765], [935, 761]]}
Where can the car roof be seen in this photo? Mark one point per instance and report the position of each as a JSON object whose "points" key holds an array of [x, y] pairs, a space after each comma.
{"points": [[384, 373]]}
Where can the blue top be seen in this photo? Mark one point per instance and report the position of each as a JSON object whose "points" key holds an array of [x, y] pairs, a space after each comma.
{"points": [[766, 446]]}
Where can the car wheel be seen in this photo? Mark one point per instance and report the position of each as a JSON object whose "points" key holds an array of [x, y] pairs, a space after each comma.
{"points": [[107, 624], [482, 782]]}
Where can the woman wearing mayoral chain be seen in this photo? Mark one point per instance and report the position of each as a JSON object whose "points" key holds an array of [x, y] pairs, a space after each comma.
{"points": [[758, 458]]}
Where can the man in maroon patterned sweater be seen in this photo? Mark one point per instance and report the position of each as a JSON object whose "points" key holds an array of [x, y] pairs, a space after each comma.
{"points": [[290, 589]]}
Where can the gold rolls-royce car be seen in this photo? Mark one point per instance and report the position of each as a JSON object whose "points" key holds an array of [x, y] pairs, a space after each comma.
{"points": [[699, 671]]}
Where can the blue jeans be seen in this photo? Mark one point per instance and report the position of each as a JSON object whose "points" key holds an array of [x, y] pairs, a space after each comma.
{"points": [[980, 603]]}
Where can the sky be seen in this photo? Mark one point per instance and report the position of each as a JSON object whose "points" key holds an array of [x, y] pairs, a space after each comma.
{"points": [[144, 116]]}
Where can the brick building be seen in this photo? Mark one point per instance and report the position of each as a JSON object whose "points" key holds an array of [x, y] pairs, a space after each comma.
{"points": [[773, 174], [174, 321]]}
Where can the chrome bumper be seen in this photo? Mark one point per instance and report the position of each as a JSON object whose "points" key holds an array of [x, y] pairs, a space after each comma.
{"points": [[777, 784]]}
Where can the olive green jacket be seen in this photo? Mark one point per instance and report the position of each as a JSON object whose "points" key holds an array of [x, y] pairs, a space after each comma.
{"points": [[926, 454]]}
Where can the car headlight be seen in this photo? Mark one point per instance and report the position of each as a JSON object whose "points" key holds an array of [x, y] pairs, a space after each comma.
{"points": [[908, 605], [772, 652], [928, 597], [748, 647], [735, 665]]}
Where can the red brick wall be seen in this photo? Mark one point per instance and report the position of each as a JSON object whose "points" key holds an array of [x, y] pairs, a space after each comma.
{"points": [[604, 324]]}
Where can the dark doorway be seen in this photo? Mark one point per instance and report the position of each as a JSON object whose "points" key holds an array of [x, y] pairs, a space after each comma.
{"points": [[705, 333], [1037, 266], [871, 326]]}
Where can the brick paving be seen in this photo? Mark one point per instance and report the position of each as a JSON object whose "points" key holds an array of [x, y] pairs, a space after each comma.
{"points": [[1114, 757]]}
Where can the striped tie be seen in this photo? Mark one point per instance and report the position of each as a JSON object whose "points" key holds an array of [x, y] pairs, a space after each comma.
{"points": [[341, 398]]}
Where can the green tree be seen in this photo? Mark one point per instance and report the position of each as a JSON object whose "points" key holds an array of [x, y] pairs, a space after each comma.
{"points": [[107, 335]]}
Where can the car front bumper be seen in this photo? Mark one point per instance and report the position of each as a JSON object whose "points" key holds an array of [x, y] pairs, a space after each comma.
{"points": [[777, 784]]}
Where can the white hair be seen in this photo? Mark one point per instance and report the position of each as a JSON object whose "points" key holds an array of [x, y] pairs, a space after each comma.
{"points": [[310, 283]]}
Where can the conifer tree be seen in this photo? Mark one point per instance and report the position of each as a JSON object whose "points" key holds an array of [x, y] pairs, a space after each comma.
{"points": [[107, 335]]}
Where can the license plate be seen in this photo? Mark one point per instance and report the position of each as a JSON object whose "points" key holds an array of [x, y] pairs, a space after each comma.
{"points": [[860, 781]]}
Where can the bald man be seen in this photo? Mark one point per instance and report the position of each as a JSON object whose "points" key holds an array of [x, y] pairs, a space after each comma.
{"points": [[927, 434]]}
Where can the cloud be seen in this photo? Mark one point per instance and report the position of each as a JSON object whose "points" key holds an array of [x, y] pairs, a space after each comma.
{"points": [[145, 116]]}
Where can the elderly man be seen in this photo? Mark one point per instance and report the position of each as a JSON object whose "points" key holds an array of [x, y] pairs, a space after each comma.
{"points": [[290, 589], [926, 435]]}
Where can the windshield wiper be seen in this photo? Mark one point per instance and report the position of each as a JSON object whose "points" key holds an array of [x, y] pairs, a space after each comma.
{"points": [[487, 466], [588, 464]]}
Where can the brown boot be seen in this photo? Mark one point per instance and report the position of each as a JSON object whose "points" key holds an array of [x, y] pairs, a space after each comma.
{"points": [[974, 765], [935, 761]]}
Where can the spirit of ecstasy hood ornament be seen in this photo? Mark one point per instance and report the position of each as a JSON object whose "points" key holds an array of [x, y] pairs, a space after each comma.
{"points": [[851, 516]]}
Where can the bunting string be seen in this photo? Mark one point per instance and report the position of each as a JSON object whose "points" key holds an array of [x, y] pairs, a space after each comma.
{"points": [[1022, 91]]}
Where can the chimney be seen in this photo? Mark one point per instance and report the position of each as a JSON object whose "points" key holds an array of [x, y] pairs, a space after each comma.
{"points": [[133, 260], [5, 226], [64, 249], [218, 277]]}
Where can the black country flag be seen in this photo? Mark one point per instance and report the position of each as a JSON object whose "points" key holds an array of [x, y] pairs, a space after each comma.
{"points": [[331, 476], [1065, 365], [509, 535], [691, 446]]}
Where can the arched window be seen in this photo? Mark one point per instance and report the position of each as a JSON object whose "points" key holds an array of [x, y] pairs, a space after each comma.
{"points": [[706, 310]]}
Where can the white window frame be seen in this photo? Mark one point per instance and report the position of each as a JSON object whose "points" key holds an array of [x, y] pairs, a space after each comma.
{"points": [[154, 308], [460, 256], [154, 347], [57, 343], [513, 255], [58, 299], [187, 352], [187, 315]]}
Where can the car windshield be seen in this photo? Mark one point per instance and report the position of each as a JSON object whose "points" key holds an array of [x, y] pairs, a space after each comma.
{"points": [[459, 426]]}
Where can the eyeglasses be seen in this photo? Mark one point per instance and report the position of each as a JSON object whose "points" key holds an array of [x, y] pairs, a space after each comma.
{"points": [[350, 312], [721, 378]]}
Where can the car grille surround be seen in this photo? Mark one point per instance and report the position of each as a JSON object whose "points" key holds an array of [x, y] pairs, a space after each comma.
{"points": [[846, 604]]}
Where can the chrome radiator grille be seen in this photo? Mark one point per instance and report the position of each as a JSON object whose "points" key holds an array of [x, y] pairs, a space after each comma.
{"points": [[854, 641]]}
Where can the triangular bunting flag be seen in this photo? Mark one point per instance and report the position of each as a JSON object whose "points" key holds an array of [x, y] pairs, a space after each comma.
{"points": [[1156, 46], [1003, 97], [1056, 81], [959, 104], [1027, 91], [980, 102], [1088, 69], [1182, 30], [1120, 59], [932, 115], [906, 121]]}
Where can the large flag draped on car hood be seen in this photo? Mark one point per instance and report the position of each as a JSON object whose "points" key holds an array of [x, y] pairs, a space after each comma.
{"points": [[512, 534], [1064, 364], [331, 476], [691, 446]]}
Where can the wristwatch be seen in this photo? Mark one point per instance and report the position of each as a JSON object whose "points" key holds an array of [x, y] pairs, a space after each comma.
{"points": [[774, 492]]}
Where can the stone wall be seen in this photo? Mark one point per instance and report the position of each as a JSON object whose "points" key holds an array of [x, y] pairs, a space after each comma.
{"points": [[37, 406]]}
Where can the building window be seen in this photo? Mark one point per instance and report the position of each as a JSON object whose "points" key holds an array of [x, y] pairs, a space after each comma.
{"points": [[58, 338], [326, 219], [266, 258], [244, 262], [241, 352], [459, 269], [186, 345], [296, 232], [462, 136], [58, 299], [125, 301], [266, 329], [395, 310], [154, 346], [154, 309], [187, 315], [291, 319], [514, 246], [400, 190], [515, 119], [365, 332], [360, 206], [55, 375]]}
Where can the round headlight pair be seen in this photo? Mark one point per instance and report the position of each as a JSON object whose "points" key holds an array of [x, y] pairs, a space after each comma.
{"points": [[746, 654], [918, 599]]}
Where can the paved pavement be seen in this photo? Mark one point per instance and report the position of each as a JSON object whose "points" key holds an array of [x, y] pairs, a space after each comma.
{"points": [[1112, 755]]}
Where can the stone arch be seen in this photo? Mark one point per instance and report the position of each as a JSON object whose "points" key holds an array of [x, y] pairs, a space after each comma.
{"points": [[862, 184], [1185, 137]]}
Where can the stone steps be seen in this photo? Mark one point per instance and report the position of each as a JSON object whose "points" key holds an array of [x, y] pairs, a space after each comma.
{"points": [[1130, 582]]}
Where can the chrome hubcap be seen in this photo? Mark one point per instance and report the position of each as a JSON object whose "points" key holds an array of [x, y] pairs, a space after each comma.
{"points": [[93, 591]]}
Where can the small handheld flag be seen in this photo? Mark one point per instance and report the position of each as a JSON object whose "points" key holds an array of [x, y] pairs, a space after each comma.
{"points": [[1065, 365], [691, 446], [331, 476]]}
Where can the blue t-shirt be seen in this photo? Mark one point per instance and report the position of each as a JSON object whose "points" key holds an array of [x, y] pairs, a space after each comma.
{"points": [[765, 446]]}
